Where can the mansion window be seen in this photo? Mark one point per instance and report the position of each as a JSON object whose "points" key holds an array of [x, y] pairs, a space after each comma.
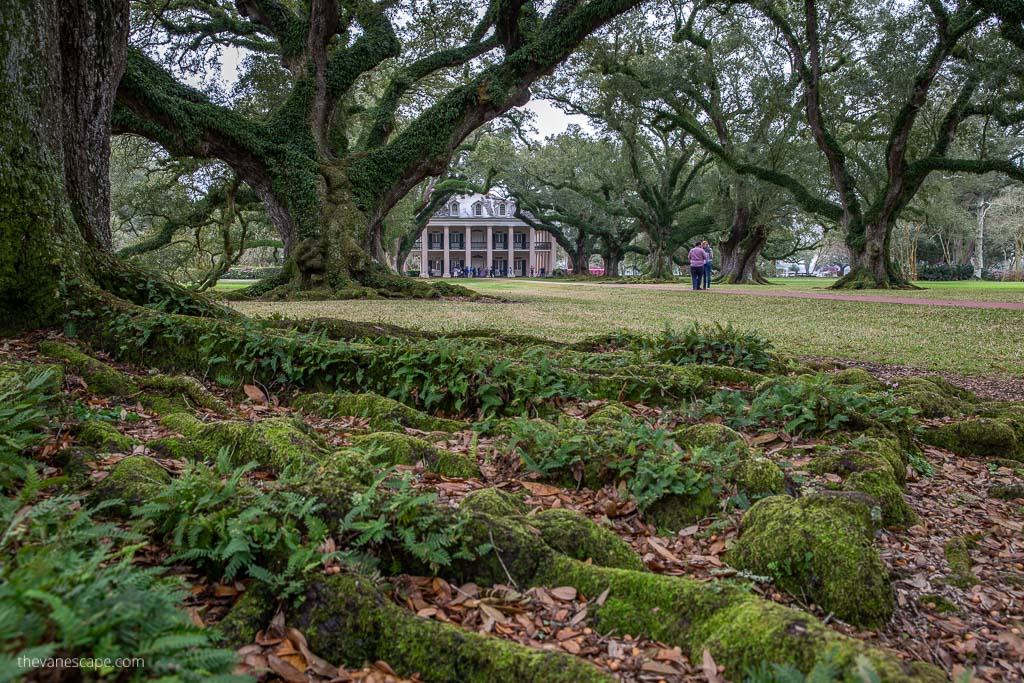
{"points": [[478, 209], [453, 210], [501, 209]]}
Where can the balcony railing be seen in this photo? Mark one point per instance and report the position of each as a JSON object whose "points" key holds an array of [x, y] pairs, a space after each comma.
{"points": [[520, 244], [457, 244], [501, 244], [478, 244], [435, 244], [542, 246]]}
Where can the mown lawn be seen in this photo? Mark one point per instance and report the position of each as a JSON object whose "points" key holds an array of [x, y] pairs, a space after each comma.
{"points": [[961, 340]]}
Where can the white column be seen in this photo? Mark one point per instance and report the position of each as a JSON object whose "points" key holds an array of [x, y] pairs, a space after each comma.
{"points": [[469, 249], [532, 265], [511, 252], [490, 250], [447, 262], [424, 258]]}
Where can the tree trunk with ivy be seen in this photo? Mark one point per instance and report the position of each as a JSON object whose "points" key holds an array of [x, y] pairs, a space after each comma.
{"points": [[328, 177]]}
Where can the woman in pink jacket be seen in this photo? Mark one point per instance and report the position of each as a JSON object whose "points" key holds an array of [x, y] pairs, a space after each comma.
{"points": [[697, 258]]}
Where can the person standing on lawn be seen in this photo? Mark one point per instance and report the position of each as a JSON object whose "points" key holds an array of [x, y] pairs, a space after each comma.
{"points": [[707, 264], [697, 259]]}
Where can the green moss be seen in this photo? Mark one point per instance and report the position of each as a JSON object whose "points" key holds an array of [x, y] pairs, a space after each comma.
{"points": [[958, 557], [104, 436], [757, 476], [383, 413], [890, 450], [178, 449], [937, 604], [495, 502], [872, 475], [673, 512], [579, 537], [818, 551], [98, 376], [611, 413], [938, 384], [709, 434], [657, 384], [76, 466], [1007, 491], [250, 614], [350, 619], [855, 376], [723, 374], [976, 436], [880, 485], [928, 403], [400, 449], [336, 480], [185, 392], [274, 443], [27, 371], [133, 481]]}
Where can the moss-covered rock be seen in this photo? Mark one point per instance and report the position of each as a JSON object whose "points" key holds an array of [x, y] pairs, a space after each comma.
{"points": [[976, 436], [890, 450], [183, 392], [958, 558], [393, 448], [26, 372], [655, 384], [274, 443], [611, 413], [579, 537], [673, 512], [709, 434], [383, 413], [76, 466], [98, 376], [349, 619], [132, 481], [819, 551], [249, 615], [495, 502], [104, 436], [873, 475], [757, 476], [854, 377], [928, 403]]}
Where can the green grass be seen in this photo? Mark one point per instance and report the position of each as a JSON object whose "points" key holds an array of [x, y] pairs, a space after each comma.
{"points": [[970, 290], [964, 341], [228, 285]]}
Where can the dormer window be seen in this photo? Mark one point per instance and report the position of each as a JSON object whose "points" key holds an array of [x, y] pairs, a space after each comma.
{"points": [[501, 208], [478, 209], [453, 209]]}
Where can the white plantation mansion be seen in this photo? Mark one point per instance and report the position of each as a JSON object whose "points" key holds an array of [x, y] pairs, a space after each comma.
{"points": [[478, 235]]}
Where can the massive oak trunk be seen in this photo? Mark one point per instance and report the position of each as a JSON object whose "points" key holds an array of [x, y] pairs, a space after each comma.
{"points": [[742, 248], [61, 60], [871, 265]]}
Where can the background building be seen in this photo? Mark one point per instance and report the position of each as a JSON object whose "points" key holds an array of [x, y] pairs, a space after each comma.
{"points": [[481, 234]]}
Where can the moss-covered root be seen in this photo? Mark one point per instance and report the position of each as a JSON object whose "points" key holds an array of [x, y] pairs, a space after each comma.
{"points": [[577, 536], [872, 475], [392, 448], [182, 392], [814, 547], [757, 476], [273, 443], [98, 376], [349, 621], [565, 531], [133, 481], [104, 436], [978, 436], [383, 413], [958, 558], [739, 628]]}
